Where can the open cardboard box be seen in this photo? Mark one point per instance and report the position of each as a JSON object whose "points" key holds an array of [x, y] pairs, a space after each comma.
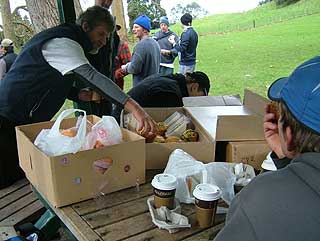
{"points": [[233, 123], [70, 178], [157, 154]]}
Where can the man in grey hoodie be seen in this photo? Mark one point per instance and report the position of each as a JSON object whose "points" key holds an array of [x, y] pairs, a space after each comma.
{"points": [[285, 204]]}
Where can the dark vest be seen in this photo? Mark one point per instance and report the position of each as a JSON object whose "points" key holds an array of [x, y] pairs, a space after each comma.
{"points": [[33, 91], [9, 58]]}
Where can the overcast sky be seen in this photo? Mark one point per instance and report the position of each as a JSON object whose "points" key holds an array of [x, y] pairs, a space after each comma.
{"points": [[212, 6]]}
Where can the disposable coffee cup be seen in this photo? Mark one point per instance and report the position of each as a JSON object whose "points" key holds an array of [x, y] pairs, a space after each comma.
{"points": [[164, 190], [206, 200]]}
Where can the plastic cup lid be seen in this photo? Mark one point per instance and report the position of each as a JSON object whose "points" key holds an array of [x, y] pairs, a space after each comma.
{"points": [[268, 164], [164, 181], [207, 192]]}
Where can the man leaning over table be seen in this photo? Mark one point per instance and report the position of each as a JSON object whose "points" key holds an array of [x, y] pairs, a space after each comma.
{"points": [[37, 86], [285, 204]]}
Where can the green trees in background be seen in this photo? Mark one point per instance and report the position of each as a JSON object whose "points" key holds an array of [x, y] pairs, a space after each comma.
{"points": [[151, 8], [193, 8]]}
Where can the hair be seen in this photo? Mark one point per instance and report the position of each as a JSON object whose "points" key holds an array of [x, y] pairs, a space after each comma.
{"points": [[190, 79], [96, 16], [304, 139]]}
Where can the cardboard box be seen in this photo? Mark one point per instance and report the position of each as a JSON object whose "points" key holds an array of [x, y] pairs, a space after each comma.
{"points": [[247, 152], [157, 154], [233, 123], [70, 178]]}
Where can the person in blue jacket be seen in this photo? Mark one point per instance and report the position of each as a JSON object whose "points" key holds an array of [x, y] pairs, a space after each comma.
{"points": [[187, 46]]}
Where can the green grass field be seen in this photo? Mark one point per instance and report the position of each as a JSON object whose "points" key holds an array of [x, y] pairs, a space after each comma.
{"points": [[253, 58]]}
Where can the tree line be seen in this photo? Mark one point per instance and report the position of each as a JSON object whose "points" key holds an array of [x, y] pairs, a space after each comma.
{"points": [[44, 14]]}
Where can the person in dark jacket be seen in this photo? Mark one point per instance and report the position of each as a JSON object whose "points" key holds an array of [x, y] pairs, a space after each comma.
{"points": [[187, 47], [8, 56], [285, 204], [41, 79], [168, 90], [168, 52]]}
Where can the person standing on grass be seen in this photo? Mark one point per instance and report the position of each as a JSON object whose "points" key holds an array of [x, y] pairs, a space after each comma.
{"points": [[168, 53], [123, 57], [145, 59], [38, 83], [187, 46], [285, 204]]}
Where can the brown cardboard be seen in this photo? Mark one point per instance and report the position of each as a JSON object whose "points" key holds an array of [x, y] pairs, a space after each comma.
{"points": [[233, 123], [157, 154], [247, 152], [70, 178]]}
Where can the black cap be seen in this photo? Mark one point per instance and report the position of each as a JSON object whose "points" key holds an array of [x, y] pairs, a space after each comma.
{"points": [[202, 79], [186, 19]]}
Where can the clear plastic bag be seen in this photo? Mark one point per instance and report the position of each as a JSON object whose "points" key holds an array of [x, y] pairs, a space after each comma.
{"points": [[54, 143]]}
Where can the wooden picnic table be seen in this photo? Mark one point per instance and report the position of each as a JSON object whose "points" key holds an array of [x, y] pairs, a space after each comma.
{"points": [[124, 215]]}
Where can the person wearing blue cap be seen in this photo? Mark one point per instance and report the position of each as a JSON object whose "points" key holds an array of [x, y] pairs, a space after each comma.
{"points": [[145, 59], [285, 204], [168, 52]]}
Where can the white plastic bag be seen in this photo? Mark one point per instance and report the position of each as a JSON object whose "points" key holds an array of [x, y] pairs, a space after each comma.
{"points": [[53, 143], [105, 132], [188, 172]]}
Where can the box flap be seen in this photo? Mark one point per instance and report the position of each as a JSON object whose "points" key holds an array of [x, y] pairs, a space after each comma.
{"points": [[254, 102], [238, 128], [212, 100]]}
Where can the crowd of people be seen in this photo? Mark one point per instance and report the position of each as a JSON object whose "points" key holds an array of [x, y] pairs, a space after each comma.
{"points": [[87, 62]]}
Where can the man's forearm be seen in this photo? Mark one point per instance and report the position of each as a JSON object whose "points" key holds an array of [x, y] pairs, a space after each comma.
{"points": [[102, 84]]}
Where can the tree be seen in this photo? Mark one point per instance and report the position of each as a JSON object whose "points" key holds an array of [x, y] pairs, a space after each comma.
{"points": [[8, 29], [193, 8], [118, 12], [151, 8], [44, 14]]}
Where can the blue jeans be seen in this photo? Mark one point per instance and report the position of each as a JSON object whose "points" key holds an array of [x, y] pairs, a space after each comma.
{"points": [[183, 69]]}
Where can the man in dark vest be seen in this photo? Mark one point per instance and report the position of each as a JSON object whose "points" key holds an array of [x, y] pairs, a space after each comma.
{"points": [[160, 90], [41, 79], [8, 56]]}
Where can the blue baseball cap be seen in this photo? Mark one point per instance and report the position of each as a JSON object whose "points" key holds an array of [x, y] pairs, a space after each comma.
{"points": [[301, 93]]}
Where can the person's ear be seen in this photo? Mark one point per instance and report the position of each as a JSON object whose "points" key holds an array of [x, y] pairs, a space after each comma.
{"points": [[289, 140], [85, 26]]}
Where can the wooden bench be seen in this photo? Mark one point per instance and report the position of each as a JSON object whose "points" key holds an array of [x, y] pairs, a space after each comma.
{"points": [[18, 204]]}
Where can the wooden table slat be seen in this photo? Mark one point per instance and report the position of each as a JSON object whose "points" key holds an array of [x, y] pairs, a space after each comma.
{"points": [[18, 205], [113, 199], [77, 226], [157, 234], [14, 196], [26, 214], [17, 185], [117, 213], [134, 225]]}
